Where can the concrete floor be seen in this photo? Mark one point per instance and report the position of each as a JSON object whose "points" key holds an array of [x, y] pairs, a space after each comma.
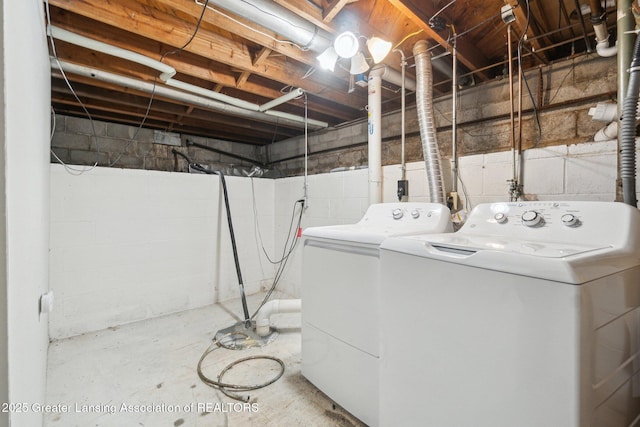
{"points": [[144, 374]]}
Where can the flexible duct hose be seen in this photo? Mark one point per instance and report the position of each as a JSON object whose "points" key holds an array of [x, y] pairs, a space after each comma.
{"points": [[628, 131], [424, 101]]}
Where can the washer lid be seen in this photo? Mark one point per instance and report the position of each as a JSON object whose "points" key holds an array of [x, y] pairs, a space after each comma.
{"points": [[555, 261], [471, 244]]}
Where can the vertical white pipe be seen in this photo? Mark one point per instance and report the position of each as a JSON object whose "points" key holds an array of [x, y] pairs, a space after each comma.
{"points": [[374, 131], [454, 119]]}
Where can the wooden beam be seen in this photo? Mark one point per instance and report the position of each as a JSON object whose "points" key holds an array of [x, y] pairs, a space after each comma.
{"points": [[333, 9], [521, 23], [419, 14], [173, 31]]}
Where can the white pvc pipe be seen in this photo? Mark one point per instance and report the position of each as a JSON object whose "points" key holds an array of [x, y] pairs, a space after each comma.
{"points": [[167, 73], [390, 75], [374, 132], [284, 98], [277, 306], [159, 90], [607, 133]]}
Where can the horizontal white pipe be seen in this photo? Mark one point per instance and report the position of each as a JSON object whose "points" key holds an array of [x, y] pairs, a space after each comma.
{"points": [[192, 99], [213, 95], [167, 72], [392, 76], [78, 40], [275, 307], [284, 98], [292, 117]]}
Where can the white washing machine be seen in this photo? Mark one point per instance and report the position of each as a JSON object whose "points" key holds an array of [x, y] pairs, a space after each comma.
{"points": [[341, 300], [527, 316]]}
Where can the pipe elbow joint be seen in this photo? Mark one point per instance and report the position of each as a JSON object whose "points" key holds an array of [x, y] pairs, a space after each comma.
{"points": [[603, 49]]}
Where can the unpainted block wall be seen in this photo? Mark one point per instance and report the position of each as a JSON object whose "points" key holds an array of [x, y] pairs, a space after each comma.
{"points": [[79, 141], [564, 92]]}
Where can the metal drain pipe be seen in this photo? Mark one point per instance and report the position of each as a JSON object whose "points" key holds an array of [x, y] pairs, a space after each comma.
{"points": [[424, 104]]}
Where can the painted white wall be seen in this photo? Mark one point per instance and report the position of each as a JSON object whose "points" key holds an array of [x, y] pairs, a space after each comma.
{"points": [[577, 172], [129, 244], [26, 117]]}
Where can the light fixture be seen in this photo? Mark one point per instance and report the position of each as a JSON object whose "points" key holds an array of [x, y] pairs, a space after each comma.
{"points": [[328, 59], [358, 64], [346, 44], [378, 48]]}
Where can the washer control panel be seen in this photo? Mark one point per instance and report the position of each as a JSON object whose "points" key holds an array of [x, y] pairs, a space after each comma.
{"points": [[553, 221]]}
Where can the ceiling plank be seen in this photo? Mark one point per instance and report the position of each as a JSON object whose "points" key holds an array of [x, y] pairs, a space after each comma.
{"points": [[468, 54], [333, 9], [522, 22], [174, 31]]}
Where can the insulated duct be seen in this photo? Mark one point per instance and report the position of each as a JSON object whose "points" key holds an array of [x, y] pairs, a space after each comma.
{"points": [[424, 104], [270, 15]]}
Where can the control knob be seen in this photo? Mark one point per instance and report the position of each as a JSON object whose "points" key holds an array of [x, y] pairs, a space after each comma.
{"points": [[397, 213], [500, 218], [570, 220], [531, 218], [415, 214]]}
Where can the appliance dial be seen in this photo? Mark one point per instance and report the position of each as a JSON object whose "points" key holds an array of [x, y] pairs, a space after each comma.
{"points": [[415, 214], [531, 218], [570, 220], [500, 218], [397, 213]]}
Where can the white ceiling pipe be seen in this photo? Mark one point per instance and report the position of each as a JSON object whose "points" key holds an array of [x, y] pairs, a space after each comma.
{"points": [[166, 92], [280, 20], [284, 98], [167, 72], [78, 40], [292, 117], [392, 76], [188, 87]]}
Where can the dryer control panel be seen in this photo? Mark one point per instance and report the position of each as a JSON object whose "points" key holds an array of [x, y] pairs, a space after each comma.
{"points": [[568, 221]]}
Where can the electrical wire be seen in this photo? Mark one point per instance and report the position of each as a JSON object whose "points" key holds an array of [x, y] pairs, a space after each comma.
{"points": [[521, 71], [286, 253], [225, 387], [155, 84], [71, 170]]}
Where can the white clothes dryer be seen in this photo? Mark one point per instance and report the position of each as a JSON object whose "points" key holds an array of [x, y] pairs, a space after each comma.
{"points": [[527, 316], [341, 300]]}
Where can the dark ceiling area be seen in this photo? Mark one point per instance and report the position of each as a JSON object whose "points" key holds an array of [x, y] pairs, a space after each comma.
{"points": [[229, 64]]}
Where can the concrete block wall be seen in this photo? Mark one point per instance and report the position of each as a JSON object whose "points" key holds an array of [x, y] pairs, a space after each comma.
{"points": [[127, 245], [79, 141], [567, 90]]}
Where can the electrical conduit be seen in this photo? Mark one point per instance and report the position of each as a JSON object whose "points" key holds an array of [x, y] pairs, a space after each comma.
{"points": [[424, 101]]}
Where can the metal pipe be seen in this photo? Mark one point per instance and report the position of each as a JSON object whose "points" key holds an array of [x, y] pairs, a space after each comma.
{"points": [[584, 27], [512, 134], [424, 107], [454, 119], [628, 131]]}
